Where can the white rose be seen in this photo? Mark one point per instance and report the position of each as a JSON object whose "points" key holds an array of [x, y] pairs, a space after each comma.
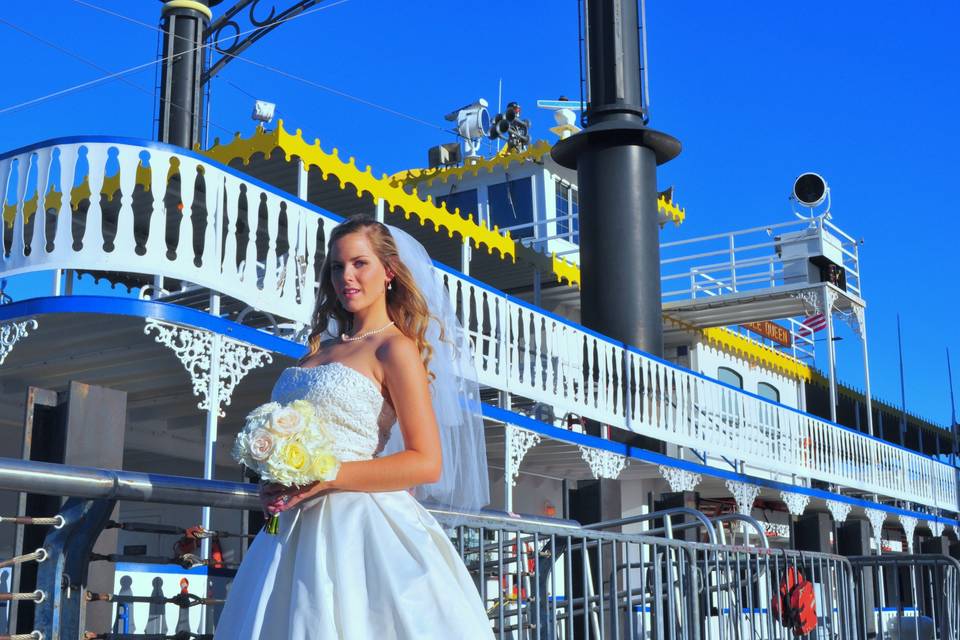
{"points": [[286, 422], [260, 444]]}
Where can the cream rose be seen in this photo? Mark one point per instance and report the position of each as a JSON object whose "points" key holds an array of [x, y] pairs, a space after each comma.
{"points": [[260, 444], [286, 422], [325, 466]]}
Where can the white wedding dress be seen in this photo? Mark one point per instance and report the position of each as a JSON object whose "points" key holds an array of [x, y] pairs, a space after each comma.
{"points": [[352, 565]]}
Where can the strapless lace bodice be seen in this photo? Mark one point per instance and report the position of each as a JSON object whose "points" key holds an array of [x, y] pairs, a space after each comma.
{"points": [[357, 415]]}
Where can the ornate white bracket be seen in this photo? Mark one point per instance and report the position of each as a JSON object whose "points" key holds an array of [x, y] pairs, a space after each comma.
{"points": [[796, 502], [10, 334], [603, 463], [680, 479], [854, 320], [839, 510], [519, 441], [830, 299], [936, 528], [745, 494], [773, 528], [810, 299], [876, 518], [909, 524], [194, 349]]}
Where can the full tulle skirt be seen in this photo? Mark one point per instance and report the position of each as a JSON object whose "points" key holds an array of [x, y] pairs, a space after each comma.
{"points": [[354, 566]]}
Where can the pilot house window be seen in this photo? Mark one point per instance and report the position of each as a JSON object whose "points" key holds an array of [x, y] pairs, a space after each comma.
{"points": [[511, 204], [568, 212]]}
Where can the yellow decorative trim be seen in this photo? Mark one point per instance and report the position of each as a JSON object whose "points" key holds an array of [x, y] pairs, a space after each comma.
{"points": [[670, 212], [534, 153], [750, 349], [733, 343], [393, 195], [170, 5], [565, 271]]}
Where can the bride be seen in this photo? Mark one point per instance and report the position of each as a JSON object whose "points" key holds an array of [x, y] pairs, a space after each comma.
{"points": [[358, 557]]}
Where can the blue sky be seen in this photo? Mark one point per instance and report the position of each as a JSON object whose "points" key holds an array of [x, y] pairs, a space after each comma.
{"points": [[864, 93]]}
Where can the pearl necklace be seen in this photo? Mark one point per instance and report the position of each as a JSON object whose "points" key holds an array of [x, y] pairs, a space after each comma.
{"points": [[347, 338]]}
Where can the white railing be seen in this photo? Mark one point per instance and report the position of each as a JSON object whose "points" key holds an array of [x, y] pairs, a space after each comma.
{"points": [[752, 259], [257, 244], [163, 212]]}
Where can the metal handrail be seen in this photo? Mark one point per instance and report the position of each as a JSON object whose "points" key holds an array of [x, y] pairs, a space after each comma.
{"points": [[111, 484], [667, 516]]}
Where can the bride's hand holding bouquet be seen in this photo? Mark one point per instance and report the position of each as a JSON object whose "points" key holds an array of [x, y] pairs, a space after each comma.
{"points": [[291, 450]]}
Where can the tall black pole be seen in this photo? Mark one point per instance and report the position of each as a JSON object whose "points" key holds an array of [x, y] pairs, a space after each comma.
{"points": [[181, 100], [616, 158]]}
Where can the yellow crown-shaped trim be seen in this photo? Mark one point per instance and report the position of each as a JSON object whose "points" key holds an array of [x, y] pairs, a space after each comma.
{"points": [[392, 193], [534, 152]]}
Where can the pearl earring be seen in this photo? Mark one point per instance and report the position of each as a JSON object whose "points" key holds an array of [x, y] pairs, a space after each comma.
{"points": [[389, 286]]}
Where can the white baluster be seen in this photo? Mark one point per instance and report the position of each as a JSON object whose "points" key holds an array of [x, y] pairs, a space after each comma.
{"points": [[184, 248], [124, 243], [93, 229], [37, 247], [6, 176], [24, 167], [160, 168], [63, 238], [228, 217], [312, 224], [210, 256]]}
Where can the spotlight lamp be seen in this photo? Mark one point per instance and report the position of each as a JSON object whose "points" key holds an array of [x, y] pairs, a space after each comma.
{"points": [[263, 111], [473, 122], [810, 190]]}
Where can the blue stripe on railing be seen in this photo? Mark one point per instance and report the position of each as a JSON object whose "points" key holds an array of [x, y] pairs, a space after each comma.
{"points": [[503, 415], [643, 455], [110, 305]]}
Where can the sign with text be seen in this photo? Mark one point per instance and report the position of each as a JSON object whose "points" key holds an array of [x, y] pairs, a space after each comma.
{"points": [[771, 331]]}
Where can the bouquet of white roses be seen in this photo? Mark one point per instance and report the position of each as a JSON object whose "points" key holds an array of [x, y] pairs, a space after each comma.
{"points": [[287, 445]]}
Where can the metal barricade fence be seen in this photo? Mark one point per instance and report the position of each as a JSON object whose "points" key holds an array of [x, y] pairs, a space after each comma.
{"points": [[908, 597], [561, 583], [539, 580]]}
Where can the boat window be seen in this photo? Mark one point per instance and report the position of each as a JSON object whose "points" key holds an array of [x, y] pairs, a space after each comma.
{"points": [[466, 201], [768, 391], [730, 377], [568, 204], [511, 204]]}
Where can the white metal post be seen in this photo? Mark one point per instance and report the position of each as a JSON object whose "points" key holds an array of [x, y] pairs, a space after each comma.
{"points": [[507, 468], [831, 358], [466, 251], [862, 321], [57, 281], [381, 209], [303, 177], [213, 411], [210, 438]]}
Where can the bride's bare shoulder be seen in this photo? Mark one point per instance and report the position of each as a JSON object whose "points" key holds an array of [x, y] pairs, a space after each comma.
{"points": [[398, 351]]}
